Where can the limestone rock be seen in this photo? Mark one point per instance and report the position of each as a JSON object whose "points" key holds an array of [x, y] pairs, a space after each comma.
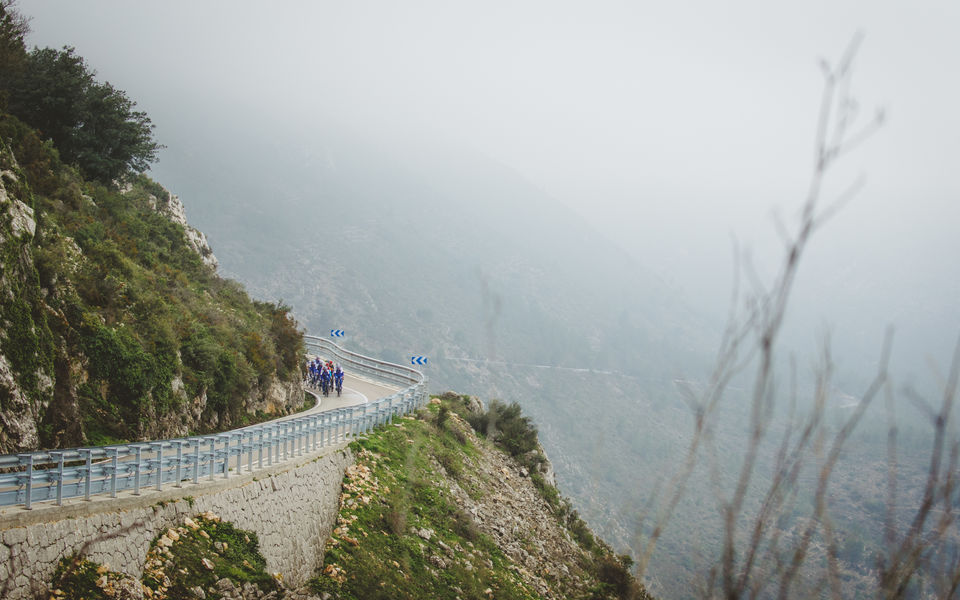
{"points": [[172, 208]]}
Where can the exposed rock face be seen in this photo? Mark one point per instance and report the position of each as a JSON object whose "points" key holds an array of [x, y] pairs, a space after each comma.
{"points": [[42, 365], [514, 514], [21, 216], [23, 396], [172, 208], [18, 425]]}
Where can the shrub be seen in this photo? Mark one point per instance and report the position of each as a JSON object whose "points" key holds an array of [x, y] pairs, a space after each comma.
{"points": [[443, 413], [450, 463], [76, 577], [465, 526], [396, 520], [504, 424], [614, 574]]}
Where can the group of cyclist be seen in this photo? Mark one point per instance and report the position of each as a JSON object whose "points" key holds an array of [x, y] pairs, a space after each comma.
{"points": [[323, 375]]}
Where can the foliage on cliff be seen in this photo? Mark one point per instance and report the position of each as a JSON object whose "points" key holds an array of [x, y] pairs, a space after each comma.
{"points": [[113, 325], [111, 317], [202, 558], [432, 510]]}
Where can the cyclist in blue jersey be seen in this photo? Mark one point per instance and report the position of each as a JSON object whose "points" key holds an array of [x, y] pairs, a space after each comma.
{"points": [[338, 379], [325, 380]]}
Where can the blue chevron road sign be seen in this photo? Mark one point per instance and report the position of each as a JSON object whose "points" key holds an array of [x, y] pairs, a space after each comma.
{"points": [[418, 360], [337, 333]]}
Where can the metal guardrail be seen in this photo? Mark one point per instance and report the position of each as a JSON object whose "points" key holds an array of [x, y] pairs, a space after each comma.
{"points": [[86, 472]]}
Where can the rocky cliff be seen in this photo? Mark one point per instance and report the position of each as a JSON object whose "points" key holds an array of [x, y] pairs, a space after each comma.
{"points": [[435, 509], [114, 325]]}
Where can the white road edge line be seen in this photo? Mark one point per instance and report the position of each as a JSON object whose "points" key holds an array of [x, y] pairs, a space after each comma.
{"points": [[365, 399]]}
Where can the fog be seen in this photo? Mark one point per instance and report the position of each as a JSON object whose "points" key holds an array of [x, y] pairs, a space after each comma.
{"points": [[681, 133], [672, 129]]}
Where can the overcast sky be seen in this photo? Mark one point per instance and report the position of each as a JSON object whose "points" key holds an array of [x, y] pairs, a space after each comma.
{"points": [[671, 126]]}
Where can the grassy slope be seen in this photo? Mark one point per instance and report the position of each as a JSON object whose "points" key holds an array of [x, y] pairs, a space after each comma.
{"points": [[419, 519]]}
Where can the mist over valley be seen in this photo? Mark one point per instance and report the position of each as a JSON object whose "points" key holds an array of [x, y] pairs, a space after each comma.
{"points": [[557, 205]]}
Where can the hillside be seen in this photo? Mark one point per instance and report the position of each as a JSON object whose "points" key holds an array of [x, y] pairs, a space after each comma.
{"points": [[115, 324]]}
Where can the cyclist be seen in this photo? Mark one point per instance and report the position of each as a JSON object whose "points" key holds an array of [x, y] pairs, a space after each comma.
{"points": [[325, 380], [338, 378]]}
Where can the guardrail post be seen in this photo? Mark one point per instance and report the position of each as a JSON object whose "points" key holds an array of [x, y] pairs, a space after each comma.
{"points": [[280, 441], [114, 467], [196, 459], [178, 470], [302, 437], [136, 479], [239, 450], [295, 427], [289, 438], [213, 456], [158, 448], [226, 455], [249, 451], [28, 458], [295, 438], [260, 449], [58, 456], [270, 445], [88, 472], [277, 441]]}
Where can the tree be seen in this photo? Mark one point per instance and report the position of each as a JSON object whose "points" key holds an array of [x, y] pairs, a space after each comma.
{"points": [[13, 50], [93, 125], [49, 94], [113, 139]]}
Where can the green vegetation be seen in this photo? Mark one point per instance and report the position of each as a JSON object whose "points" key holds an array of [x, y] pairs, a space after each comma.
{"points": [[199, 554], [93, 125], [517, 435], [195, 556], [106, 306], [503, 424], [77, 577], [134, 299], [373, 553], [402, 532]]}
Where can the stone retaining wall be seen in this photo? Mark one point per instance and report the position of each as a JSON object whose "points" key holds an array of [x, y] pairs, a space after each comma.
{"points": [[292, 508]]}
